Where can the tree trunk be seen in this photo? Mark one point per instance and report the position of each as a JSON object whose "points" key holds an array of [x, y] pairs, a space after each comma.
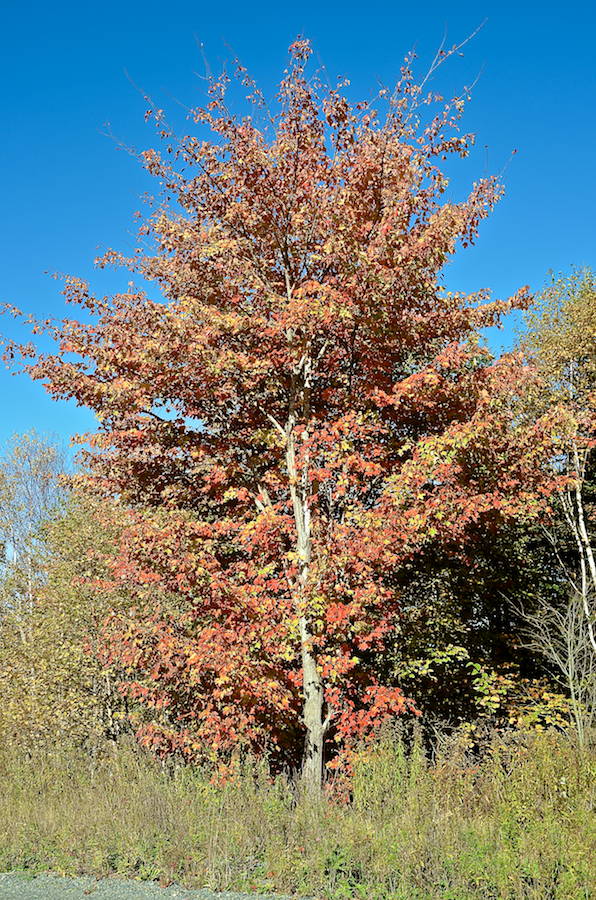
{"points": [[314, 696], [313, 687], [573, 508]]}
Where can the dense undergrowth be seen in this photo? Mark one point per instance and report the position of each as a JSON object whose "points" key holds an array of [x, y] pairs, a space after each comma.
{"points": [[514, 820]]}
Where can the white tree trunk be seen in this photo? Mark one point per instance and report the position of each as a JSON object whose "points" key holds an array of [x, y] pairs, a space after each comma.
{"points": [[573, 507]]}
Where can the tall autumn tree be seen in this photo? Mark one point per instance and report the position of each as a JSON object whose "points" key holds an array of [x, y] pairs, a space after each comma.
{"points": [[303, 409], [32, 467], [559, 340], [53, 688]]}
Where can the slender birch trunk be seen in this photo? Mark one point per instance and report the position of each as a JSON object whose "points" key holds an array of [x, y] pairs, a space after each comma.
{"points": [[573, 508]]}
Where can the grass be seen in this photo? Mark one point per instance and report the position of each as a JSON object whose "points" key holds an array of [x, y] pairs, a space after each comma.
{"points": [[517, 821]]}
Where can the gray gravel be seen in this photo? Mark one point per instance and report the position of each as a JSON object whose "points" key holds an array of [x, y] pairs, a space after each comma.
{"points": [[17, 886]]}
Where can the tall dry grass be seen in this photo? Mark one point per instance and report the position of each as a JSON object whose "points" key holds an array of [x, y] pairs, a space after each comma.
{"points": [[519, 821]]}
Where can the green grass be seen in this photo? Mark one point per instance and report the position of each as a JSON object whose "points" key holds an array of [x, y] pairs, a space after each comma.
{"points": [[517, 822]]}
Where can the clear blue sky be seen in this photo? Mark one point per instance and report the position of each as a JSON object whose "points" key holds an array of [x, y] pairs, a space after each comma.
{"points": [[67, 190]]}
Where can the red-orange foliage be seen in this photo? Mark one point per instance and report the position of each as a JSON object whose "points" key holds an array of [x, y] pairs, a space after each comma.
{"points": [[305, 409]]}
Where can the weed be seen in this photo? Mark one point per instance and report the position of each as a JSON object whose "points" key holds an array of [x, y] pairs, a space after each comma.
{"points": [[512, 822]]}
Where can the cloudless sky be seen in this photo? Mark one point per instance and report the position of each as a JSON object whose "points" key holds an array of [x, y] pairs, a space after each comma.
{"points": [[67, 191]]}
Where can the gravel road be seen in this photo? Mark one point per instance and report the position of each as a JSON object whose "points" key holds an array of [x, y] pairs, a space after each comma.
{"points": [[16, 886]]}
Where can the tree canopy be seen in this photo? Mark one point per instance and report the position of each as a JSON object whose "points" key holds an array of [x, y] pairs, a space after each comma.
{"points": [[304, 410]]}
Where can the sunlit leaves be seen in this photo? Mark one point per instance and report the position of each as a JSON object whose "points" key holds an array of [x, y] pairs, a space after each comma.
{"points": [[302, 412]]}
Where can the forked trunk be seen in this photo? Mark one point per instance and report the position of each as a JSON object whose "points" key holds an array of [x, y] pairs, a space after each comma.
{"points": [[313, 687]]}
